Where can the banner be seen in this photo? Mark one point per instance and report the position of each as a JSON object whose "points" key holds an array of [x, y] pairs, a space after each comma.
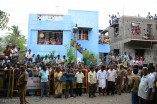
{"points": [[33, 83]]}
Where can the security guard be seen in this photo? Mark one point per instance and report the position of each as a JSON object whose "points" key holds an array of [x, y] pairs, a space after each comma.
{"points": [[22, 82]]}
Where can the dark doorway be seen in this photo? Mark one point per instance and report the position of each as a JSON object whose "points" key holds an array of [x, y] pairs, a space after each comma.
{"points": [[116, 52], [139, 53]]}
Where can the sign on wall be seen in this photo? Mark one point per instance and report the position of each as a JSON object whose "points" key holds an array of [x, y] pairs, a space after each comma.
{"points": [[49, 17], [33, 83]]}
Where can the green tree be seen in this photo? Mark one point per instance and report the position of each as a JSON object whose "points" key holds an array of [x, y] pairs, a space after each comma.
{"points": [[15, 38], [1, 47], [4, 18], [89, 58], [70, 55]]}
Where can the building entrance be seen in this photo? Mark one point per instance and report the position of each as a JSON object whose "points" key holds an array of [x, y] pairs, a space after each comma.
{"points": [[139, 53]]}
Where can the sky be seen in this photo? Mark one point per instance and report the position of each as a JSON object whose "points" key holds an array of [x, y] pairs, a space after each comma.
{"points": [[19, 9]]}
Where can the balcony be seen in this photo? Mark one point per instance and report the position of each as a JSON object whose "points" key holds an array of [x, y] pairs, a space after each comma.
{"points": [[104, 48], [144, 37]]}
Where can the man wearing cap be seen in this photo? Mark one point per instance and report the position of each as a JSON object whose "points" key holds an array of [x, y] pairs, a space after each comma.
{"points": [[22, 82]]}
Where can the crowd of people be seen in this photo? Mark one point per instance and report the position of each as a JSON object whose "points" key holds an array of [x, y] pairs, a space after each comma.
{"points": [[114, 19], [104, 39], [149, 16], [121, 75]]}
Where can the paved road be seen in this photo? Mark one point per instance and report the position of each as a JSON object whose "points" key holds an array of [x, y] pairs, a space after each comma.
{"points": [[125, 98]]}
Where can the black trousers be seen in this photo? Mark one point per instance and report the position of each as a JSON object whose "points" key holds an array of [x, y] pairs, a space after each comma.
{"points": [[92, 89], [69, 83], [79, 89], [111, 87], [143, 101], [102, 91]]}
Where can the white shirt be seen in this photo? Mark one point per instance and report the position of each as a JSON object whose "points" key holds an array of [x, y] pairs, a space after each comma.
{"points": [[58, 61], [101, 77], [46, 60], [118, 16], [101, 74], [152, 77], [79, 77], [14, 51], [112, 75], [144, 86], [29, 55]]}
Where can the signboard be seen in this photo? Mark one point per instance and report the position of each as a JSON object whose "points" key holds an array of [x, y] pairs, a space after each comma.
{"points": [[33, 83]]}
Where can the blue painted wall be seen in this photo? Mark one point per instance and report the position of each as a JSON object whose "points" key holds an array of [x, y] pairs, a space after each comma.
{"points": [[87, 19]]}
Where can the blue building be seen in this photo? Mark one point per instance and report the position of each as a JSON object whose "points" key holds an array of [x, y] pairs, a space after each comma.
{"points": [[48, 32]]}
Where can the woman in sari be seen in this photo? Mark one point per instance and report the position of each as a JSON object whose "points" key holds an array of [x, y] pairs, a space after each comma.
{"points": [[58, 83]]}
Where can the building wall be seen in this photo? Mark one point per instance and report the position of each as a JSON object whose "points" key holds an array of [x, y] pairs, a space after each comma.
{"points": [[36, 25], [87, 19], [83, 19], [121, 41]]}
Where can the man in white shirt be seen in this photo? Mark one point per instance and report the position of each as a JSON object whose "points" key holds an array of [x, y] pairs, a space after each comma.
{"points": [[112, 75], [46, 60], [145, 88], [14, 51], [152, 77], [79, 80], [29, 56], [44, 76], [102, 79], [58, 59], [149, 16]]}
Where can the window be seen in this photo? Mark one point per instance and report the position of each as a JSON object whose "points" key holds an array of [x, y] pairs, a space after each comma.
{"points": [[135, 28], [149, 29], [116, 31], [50, 37], [83, 35]]}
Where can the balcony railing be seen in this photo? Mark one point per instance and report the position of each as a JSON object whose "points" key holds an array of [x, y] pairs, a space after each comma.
{"points": [[145, 37]]}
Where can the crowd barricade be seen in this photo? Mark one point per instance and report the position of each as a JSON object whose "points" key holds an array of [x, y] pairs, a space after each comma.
{"points": [[85, 81], [6, 82], [9, 78]]}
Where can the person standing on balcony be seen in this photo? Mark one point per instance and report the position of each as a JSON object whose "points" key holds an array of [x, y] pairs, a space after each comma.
{"points": [[118, 17], [149, 16]]}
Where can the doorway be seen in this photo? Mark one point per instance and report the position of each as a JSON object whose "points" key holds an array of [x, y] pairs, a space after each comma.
{"points": [[139, 53]]}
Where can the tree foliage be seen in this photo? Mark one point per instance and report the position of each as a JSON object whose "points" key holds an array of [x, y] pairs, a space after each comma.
{"points": [[4, 18], [70, 55], [15, 38], [89, 58]]}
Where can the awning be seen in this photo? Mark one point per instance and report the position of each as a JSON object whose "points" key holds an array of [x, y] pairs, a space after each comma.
{"points": [[115, 25], [140, 43], [104, 31], [141, 40], [86, 28]]}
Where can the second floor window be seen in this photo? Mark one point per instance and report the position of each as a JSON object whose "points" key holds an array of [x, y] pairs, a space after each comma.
{"points": [[135, 28], [83, 35], [50, 37]]}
